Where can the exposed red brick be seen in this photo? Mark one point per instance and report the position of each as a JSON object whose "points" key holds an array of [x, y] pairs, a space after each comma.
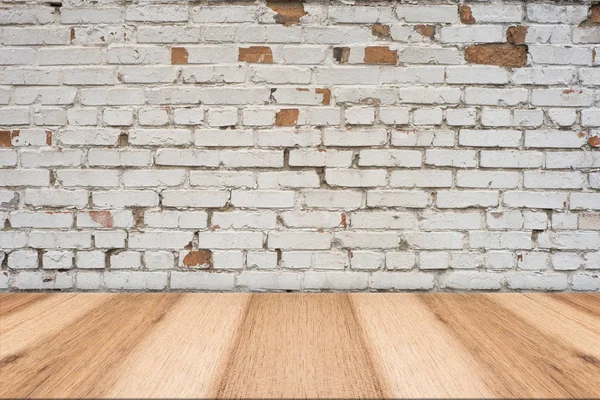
{"points": [[287, 117], [580, 135], [380, 55], [198, 257], [381, 31], [344, 223], [504, 55], [326, 95], [72, 35], [179, 55], [49, 138], [466, 16], [288, 12], [594, 15], [516, 34], [426, 30], [256, 54], [104, 218], [594, 141], [341, 54], [6, 138]]}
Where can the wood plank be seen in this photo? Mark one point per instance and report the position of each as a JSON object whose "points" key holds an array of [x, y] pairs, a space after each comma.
{"points": [[182, 356], [516, 358], [36, 317], [300, 345], [420, 357], [360, 345]]}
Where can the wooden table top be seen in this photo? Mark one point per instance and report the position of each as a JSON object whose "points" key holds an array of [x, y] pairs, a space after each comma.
{"points": [[329, 345]]}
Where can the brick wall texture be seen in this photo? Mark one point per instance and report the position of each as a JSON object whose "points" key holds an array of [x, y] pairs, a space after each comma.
{"points": [[289, 145]]}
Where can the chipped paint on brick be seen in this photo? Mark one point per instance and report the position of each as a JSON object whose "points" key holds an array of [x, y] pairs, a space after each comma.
{"points": [[380, 55], [256, 54], [288, 12], [179, 55]]}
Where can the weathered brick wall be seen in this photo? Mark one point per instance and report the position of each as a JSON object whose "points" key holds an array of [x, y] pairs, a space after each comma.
{"points": [[299, 146]]}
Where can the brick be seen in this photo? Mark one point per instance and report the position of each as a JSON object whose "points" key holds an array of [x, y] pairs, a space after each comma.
{"points": [[256, 54], [402, 281], [506, 55], [135, 280]]}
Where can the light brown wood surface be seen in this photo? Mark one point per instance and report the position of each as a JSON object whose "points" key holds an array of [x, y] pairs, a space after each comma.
{"points": [[336, 345]]}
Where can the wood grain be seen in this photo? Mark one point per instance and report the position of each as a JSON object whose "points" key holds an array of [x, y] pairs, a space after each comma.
{"points": [[363, 345]]}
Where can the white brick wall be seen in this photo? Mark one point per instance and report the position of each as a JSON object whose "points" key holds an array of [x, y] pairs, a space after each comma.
{"points": [[184, 145]]}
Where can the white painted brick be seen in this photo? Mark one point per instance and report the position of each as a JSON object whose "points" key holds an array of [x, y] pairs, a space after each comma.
{"points": [[175, 219], [487, 179], [500, 240], [300, 240], [153, 116], [335, 280], [320, 158], [23, 259], [398, 198], [400, 260], [368, 240], [421, 178], [550, 13], [466, 260], [496, 97], [43, 280], [427, 116], [312, 219], [88, 280], [554, 139], [528, 118], [586, 282], [433, 240], [423, 138], [262, 199], [383, 220], [499, 260], [57, 259], [33, 219], [562, 97], [433, 260], [553, 180], [421, 13], [566, 261], [135, 280], [431, 221], [511, 159], [451, 158], [344, 199], [90, 259], [536, 281], [476, 75], [471, 34], [471, 280], [263, 281], [402, 281], [355, 177], [200, 280], [497, 12], [550, 200], [56, 198], [533, 261], [466, 199], [261, 259], [562, 116], [321, 260], [125, 198]]}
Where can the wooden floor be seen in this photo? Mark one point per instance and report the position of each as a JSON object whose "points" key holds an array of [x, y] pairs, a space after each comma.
{"points": [[299, 345]]}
